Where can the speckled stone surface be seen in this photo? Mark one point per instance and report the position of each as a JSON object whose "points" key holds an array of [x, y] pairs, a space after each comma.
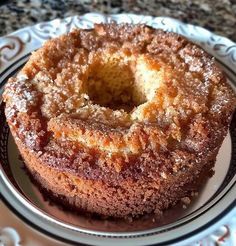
{"points": [[218, 16]]}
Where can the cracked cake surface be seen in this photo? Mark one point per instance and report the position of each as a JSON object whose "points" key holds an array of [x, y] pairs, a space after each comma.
{"points": [[119, 120]]}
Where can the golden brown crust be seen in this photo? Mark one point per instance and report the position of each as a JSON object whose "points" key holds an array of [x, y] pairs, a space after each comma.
{"points": [[123, 199], [120, 103]]}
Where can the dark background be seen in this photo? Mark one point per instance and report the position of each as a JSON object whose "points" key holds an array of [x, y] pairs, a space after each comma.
{"points": [[217, 16]]}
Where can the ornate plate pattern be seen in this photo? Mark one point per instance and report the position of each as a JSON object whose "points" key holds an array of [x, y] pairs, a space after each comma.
{"points": [[16, 47]]}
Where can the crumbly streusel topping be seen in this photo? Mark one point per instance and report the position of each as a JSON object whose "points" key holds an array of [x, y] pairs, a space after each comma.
{"points": [[120, 89]]}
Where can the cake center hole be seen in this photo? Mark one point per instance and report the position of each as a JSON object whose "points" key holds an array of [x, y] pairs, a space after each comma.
{"points": [[112, 83]]}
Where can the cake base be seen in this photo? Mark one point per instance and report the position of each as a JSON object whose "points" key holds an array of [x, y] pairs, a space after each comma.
{"points": [[129, 199]]}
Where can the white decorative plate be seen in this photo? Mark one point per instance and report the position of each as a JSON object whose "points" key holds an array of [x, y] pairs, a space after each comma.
{"points": [[210, 220]]}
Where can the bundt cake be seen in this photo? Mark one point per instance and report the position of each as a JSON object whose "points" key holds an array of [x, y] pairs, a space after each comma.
{"points": [[119, 120]]}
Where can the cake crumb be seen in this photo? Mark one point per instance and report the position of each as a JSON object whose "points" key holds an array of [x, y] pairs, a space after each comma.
{"points": [[194, 194], [163, 175], [186, 200]]}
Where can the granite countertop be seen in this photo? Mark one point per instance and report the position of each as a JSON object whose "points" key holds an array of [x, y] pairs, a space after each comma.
{"points": [[217, 16]]}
